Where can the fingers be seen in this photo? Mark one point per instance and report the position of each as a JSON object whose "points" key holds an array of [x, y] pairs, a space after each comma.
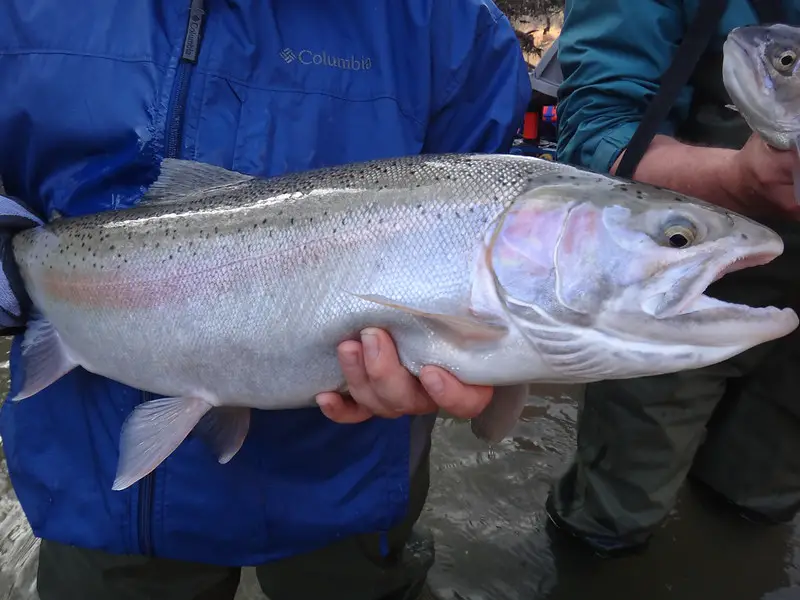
{"points": [[396, 390], [342, 409], [379, 385], [460, 400], [377, 381]]}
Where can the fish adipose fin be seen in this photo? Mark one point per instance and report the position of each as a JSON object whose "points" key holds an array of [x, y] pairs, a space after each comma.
{"points": [[186, 179], [224, 430], [498, 419], [465, 328], [152, 432], [45, 358]]}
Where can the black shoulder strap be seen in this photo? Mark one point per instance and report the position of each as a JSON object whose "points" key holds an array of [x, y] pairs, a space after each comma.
{"points": [[768, 11], [701, 29]]}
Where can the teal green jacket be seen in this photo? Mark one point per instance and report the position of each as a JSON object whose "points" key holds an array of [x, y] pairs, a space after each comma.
{"points": [[612, 54]]}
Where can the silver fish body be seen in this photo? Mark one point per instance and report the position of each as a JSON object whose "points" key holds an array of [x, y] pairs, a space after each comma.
{"points": [[225, 292], [249, 289]]}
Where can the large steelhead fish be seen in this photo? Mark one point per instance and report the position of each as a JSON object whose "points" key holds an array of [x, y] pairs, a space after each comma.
{"points": [[225, 292]]}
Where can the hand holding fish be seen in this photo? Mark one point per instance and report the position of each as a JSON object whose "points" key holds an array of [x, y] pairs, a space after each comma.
{"points": [[761, 75], [762, 179], [380, 386]]}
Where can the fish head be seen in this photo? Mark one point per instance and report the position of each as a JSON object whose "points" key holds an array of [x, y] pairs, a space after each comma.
{"points": [[607, 279], [760, 73]]}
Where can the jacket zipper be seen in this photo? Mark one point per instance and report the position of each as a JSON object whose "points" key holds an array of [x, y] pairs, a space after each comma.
{"points": [[175, 113]]}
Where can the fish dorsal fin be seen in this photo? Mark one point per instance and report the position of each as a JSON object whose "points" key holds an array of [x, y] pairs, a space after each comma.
{"points": [[185, 179]]}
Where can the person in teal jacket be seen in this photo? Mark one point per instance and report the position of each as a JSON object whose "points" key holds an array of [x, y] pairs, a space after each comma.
{"points": [[733, 428]]}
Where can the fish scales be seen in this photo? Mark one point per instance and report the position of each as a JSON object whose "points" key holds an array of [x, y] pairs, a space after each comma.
{"points": [[263, 273]]}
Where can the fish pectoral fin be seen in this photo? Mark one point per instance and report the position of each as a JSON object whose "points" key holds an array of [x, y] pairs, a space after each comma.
{"points": [[501, 415], [181, 179], [152, 432], [465, 327], [45, 358], [224, 430]]}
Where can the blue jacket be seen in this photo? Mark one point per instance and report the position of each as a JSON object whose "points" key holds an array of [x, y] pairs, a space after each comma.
{"points": [[93, 92], [612, 54]]}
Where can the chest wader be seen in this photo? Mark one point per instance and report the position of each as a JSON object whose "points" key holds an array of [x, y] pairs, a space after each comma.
{"points": [[733, 427]]}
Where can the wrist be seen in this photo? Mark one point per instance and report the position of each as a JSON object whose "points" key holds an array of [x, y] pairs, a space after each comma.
{"points": [[733, 180]]}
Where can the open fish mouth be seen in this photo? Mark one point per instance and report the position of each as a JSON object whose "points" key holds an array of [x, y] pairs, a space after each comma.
{"points": [[687, 300]]}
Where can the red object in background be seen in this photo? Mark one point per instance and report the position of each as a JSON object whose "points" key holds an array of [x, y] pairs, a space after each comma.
{"points": [[549, 114], [530, 127]]}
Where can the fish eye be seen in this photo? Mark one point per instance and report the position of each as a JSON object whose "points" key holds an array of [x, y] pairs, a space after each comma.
{"points": [[784, 60], [680, 235]]}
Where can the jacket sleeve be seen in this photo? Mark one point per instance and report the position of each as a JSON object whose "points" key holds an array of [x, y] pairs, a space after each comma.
{"points": [[480, 88], [612, 55]]}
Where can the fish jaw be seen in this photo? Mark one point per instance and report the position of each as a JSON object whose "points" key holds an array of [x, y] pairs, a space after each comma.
{"points": [[734, 322], [674, 308]]}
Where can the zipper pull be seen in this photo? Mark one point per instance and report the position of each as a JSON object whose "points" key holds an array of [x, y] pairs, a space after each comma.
{"points": [[194, 32]]}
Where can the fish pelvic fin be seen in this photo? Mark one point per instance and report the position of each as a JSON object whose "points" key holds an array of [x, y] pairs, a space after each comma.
{"points": [[498, 419], [45, 357], [224, 430], [181, 180], [462, 328], [152, 432]]}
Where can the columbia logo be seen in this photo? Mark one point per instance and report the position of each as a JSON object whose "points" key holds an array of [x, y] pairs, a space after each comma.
{"points": [[288, 55], [323, 59]]}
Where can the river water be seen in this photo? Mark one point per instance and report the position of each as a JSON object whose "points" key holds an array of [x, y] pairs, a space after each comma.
{"points": [[486, 510]]}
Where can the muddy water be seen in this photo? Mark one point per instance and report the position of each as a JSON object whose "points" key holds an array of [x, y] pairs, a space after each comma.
{"points": [[486, 511]]}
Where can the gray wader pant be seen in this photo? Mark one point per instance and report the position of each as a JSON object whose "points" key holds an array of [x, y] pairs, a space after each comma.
{"points": [[352, 569], [734, 427]]}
